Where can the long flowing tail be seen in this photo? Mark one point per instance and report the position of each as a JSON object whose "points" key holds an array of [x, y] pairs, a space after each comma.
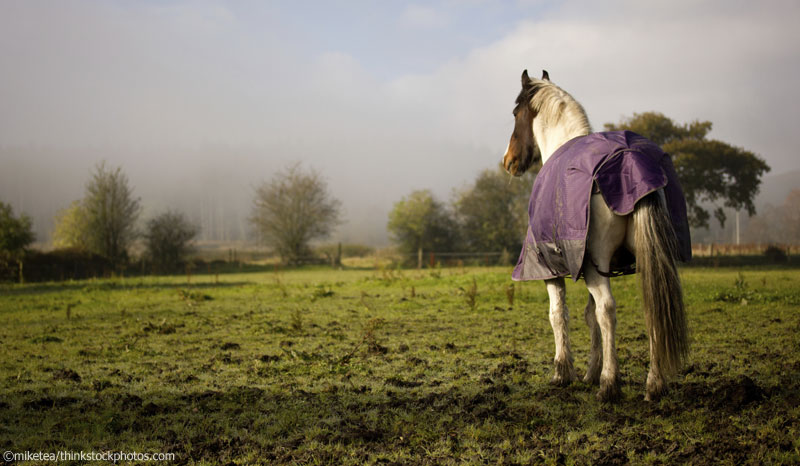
{"points": [[656, 253]]}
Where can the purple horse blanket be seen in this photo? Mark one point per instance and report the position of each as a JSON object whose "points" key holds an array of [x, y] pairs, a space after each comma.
{"points": [[624, 167]]}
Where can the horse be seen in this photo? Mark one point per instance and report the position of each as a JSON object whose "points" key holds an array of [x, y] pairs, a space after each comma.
{"points": [[547, 119]]}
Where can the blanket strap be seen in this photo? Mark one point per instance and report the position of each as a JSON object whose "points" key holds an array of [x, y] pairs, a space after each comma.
{"points": [[627, 270]]}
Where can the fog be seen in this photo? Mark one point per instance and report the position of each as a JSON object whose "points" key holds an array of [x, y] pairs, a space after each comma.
{"points": [[201, 101]]}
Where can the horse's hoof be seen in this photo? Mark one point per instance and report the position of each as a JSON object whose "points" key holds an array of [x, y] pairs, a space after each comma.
{"points": [[564, 374], [560, 381], [592, 379], [609, 392], [654, 392], [655, 388]]}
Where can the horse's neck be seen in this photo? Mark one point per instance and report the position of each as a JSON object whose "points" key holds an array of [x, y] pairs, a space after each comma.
{"points": [[550, 136]]}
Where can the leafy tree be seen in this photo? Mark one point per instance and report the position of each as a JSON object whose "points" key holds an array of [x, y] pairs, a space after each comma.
{"points": [[168, 239], [420, 221], [710, 171], [292, 210], [72, 227], [492, 213], [111, 213], [16, 233]]}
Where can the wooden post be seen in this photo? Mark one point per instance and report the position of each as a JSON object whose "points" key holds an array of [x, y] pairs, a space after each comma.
{"points": [[419, 258], [433, 260]]}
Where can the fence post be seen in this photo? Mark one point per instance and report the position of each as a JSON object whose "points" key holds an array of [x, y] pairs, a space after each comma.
{"points": [[433, 260], [419, 258]]}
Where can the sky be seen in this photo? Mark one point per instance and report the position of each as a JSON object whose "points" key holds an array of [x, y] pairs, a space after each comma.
{"points": [[201, 101]]}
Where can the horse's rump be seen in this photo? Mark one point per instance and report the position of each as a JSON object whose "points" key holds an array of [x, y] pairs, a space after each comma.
{"points": [[625, 167]]}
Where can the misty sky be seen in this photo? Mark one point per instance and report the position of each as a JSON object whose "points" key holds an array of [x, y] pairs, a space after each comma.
{"points": [[200, 101]]}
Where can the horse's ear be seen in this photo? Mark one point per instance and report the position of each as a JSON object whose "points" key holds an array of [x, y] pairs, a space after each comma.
{"points": [[545, 76], [526, 81]]}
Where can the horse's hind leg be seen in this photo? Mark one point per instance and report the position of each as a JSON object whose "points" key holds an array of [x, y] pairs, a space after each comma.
{"points": [[559, 320], [596, 352], [606, 312], [606, 234]]}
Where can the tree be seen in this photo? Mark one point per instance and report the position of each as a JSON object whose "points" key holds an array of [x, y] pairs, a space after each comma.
{"points": [[111, 213], [16, 233], [72, 227], [710, 171], [493, 213], [167, 240], [292, 210], [420, 221]]}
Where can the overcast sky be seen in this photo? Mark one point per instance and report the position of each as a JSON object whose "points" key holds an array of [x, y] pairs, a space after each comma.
{"points": [[202, 100]]}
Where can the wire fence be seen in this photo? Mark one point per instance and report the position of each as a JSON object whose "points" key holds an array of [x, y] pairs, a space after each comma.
{"points": [[78, 268]]}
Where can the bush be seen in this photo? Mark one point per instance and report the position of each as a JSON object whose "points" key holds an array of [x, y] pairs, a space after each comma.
{"points": [[168, 240], [776, 255], [60, 264]]}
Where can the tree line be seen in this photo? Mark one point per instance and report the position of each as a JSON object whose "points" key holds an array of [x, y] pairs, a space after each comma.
{"points": [[104, 223], [295, 207], [491, 215]]}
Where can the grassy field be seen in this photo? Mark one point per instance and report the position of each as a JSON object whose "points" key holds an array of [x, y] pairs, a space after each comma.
{"points": [[389, 367]]}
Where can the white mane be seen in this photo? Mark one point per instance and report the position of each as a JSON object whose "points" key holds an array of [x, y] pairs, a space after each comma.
{"points": [[559, 117]]}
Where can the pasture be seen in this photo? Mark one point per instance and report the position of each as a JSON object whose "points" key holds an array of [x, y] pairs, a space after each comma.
{"points": [[386, 366]]}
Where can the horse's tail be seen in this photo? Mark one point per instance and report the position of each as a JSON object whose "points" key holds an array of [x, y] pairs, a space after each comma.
{"points": [[656, 252]]}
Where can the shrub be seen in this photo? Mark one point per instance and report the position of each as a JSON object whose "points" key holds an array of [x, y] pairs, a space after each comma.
{"points": [[776, 255], [168, 240], [60, 264]]}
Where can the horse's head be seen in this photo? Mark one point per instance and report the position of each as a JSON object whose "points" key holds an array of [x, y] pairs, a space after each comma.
{"points": [[522, 151]]}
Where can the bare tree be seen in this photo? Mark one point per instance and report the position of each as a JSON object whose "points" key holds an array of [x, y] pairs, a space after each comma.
{"points": [[293, 209], [111, 213]]}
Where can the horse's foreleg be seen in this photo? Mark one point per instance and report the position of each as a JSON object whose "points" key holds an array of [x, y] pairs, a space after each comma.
{"points": [[559, 320], [606, 312], [596, 352]]}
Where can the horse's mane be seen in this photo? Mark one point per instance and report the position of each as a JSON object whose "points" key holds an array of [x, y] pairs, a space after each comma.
{"points": [[554, 106]]}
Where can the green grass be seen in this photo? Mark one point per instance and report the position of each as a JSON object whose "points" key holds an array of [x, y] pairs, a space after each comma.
{"points": [[351, 367]]}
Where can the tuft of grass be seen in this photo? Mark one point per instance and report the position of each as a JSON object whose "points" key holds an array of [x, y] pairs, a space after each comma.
{"points": [[471, 294], [297, 321], [511, 288]]}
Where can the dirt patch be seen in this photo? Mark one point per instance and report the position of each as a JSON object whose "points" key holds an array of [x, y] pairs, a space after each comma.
{"points": [[398, 382], [49, 403], [738, 393], [67, 374], [131, 402], [519, 366], [731, 394]]}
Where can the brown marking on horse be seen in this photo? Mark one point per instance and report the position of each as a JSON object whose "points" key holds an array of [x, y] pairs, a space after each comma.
{"points": [[522, 151]]}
